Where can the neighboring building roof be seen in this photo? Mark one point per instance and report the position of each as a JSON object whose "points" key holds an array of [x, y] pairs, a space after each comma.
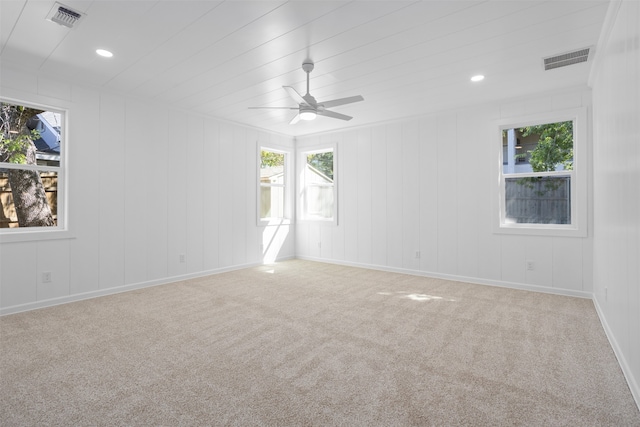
{"points": [[48, 124], [319, 176], [270, 172]]}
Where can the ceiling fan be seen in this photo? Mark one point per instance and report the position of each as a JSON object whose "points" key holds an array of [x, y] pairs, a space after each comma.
{"points": [[308, 108]]}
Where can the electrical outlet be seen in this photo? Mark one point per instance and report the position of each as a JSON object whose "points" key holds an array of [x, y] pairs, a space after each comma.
{"points": [[46, 277], [181, 257], [530, 265], [417, 254], [319, 245]]}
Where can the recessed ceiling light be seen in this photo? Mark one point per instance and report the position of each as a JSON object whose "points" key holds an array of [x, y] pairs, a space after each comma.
{"points": [[104, 53], [477, 78]]}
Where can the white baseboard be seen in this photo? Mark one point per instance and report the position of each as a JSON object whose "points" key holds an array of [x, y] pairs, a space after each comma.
{"points": [[631, 381], [102, 292], [457, 278], [622, 361], [125, 288]]}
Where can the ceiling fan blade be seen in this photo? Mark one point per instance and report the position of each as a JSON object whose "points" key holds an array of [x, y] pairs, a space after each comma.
{"points": [[334, 115], [273, 108], [295, 95], [341, 101], [295, 119]]}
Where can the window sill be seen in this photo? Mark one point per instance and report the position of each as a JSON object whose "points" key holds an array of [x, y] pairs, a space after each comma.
{"points": [[540, 230], [34, 235], [319, 221], [273, 221]]}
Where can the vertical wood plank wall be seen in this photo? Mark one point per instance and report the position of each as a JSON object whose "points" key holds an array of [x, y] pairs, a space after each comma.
{"points": [[616, 255], [415, 196], [147, 184]]}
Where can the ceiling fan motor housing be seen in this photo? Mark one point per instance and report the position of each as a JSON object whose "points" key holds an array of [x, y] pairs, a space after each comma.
{"points": [[307, 66], [310, 100]]}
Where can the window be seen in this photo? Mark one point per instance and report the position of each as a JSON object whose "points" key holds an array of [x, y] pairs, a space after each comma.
{"points": [[318, 196], [272, 176], [31, 168], [542, 186]]}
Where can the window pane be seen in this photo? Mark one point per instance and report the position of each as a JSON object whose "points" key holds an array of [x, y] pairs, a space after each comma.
{"points": [[272, 182], [48, 126], [318, 196], [321, 164], [30, 135], [319, 202], [540, 148], [34, 203], [538, 200], [271, 202], [271, 162]]}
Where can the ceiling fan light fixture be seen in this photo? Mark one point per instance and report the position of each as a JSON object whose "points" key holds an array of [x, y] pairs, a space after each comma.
{"points": [[307, 114]]}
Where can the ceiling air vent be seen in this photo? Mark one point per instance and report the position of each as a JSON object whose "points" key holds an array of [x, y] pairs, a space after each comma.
{"points": [[64, 15], [565, 59]]}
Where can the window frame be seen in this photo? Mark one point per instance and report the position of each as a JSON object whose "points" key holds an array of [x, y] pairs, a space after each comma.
{"points": [[301, 215], [61, 229], [578, 176], [287, 208]]}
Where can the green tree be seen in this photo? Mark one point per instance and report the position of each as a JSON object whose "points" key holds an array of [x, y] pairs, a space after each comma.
{"points": [[322, 162], [554, 147], [271, 159], [16, 146]]}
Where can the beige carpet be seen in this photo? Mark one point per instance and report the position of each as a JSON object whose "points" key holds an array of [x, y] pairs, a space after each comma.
{"points": [[311, 344]]}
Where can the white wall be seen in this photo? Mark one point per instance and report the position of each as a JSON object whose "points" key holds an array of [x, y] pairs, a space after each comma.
{"points": [[424, 185], [146, 184], [616, 98]]}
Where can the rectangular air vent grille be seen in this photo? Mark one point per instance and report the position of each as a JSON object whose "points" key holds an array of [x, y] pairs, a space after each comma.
{"points": [[565, 59], [64, 15]]}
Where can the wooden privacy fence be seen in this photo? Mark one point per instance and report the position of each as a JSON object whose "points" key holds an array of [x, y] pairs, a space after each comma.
{"points": [[544, 200], [8, 216]]}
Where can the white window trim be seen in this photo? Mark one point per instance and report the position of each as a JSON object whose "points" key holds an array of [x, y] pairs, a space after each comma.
{"points": [[579, 182], [61, 230], [300, 165], [288, 175]]}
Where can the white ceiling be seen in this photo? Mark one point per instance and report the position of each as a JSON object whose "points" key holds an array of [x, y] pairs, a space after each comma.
{"points": [[218, 58]]}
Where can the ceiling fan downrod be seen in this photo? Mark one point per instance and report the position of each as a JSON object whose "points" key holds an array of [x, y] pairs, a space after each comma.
{"points": [[307, 67]]}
